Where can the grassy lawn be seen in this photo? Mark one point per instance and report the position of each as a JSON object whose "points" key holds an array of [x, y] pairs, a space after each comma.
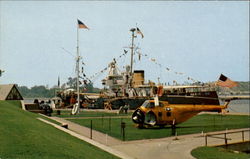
{"points": [[216, 152], [84, 113], [24, 137], [197, 124]]}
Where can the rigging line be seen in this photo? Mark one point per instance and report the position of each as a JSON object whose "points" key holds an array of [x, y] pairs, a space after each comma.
{"points": [[67, 52], [177, 73], [80, 59], [93, 80], [102, 71], [96, 75]]}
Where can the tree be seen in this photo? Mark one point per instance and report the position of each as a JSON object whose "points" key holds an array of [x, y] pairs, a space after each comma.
{"points": [[72, 82], [24, 90]]}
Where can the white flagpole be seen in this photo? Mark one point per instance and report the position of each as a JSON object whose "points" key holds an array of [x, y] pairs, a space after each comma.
{"points": [[77, 71], [76, 107]]}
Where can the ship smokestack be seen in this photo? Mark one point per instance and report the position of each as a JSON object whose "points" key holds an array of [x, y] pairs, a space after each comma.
{"points": [[138, 78]]}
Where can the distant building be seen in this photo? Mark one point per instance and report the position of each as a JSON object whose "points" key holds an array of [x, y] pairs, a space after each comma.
{"points": [[10, 92]]}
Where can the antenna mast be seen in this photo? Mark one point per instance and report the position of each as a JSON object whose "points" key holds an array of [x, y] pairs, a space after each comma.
{"points": [[132, 53], [132, 49]]}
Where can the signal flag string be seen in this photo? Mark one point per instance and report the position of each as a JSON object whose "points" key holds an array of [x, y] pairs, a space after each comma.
{"points": [[153, 60]]}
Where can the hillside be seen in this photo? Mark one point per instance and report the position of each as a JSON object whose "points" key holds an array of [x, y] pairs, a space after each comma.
{"points": [[24, 137], [243, 88]]}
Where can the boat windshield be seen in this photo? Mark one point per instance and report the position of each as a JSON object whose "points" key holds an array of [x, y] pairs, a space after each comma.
{"points": [[148, 104], [145, 104]]}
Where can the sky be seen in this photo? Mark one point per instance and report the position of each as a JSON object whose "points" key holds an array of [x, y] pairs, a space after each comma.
{"points": [[198, 39]]}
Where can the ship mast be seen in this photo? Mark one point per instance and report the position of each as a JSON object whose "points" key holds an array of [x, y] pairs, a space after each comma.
{"points": [[132, 53]]}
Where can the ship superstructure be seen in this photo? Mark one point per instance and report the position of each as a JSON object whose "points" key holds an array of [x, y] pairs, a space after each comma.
{"points": [[128, 87]]}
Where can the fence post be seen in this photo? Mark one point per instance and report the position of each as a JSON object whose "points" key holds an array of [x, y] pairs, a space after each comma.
{"points": [[123, 125], [243, 135], [90, 129], [109, 123], [102, 120], [106, 139], [205, 139], [225, 136]]}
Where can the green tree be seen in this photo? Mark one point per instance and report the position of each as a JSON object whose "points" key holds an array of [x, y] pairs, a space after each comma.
{"points": [[71, 82]]}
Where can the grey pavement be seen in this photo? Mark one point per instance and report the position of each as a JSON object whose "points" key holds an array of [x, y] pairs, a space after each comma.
{"points": [[95, 143], [170, 147], [96, 135], [164, 148]]}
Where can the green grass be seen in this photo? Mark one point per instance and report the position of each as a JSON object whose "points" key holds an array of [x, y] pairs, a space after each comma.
{"points": [[217, 152], [83, 113], [24, 137], [197, 124]]}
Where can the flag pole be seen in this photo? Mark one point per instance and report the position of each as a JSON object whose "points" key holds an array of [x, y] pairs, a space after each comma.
{"points": [[76, 107], [77, 71]]}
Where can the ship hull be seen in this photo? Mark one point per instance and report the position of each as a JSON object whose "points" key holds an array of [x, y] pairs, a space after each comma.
{"points": [[208, 98]]}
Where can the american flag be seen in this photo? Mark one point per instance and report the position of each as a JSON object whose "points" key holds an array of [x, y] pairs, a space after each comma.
{"points": [[81, 25], [226, 82]]}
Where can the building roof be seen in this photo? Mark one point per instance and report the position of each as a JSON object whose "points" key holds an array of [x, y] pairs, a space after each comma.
{"points": [[9, 91]]}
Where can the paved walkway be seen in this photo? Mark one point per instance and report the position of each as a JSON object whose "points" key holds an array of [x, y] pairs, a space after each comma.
{"points": [[96, 135], [95, 143], [163, 148], [98, 117], [170, 148]]}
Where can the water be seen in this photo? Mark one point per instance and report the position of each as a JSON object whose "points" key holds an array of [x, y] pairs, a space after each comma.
{"points": [[31, 100], [239, 106], [235, 106]]}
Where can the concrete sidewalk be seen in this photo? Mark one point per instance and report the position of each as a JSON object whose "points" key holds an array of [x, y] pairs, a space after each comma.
{"points": [[163, 148], [92, 142], [170, 148], [96, 135]]}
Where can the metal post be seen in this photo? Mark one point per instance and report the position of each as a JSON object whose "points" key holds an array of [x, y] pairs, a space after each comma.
{"points": [[109, 123], [106, 139], [243, 136], [91, 129], [225, 136], [123, 125], [77, 69], [214, 120], [206, 140], [102, 120], [123, 134]]}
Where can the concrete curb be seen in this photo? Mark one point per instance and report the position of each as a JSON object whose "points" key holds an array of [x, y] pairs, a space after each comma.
{"points": [[101, 146], [23, 105]]}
